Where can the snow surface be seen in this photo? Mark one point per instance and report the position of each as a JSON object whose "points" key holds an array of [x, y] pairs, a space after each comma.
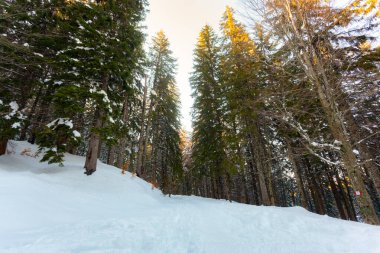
{"points": [[47, 208]]}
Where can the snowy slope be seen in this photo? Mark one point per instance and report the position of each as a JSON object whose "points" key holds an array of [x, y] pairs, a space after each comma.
{"points": [[46, 208]]}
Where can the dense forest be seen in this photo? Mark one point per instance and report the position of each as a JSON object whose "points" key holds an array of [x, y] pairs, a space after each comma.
{"points": [[286, 112]]}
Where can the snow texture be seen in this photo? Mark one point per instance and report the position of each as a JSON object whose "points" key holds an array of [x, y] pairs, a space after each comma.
{"points": [[61, 121], [38, 54], [16, 125], [76, 134], [47, 209], [14, 111], [14, 106]]}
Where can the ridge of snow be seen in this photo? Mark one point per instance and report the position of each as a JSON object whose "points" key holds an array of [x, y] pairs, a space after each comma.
{"points": [[47, 208]]}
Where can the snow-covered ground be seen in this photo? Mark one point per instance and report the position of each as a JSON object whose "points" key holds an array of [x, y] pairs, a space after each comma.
{"points": [[47, 208]]}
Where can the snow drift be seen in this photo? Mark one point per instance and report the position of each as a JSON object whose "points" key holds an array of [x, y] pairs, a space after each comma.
{"points": [[47, 208]]}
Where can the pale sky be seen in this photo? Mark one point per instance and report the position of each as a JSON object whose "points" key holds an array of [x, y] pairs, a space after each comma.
{"points": [[182, 20]]}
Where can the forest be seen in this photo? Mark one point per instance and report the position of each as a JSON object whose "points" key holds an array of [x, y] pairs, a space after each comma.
{"points": [[286, 111]]}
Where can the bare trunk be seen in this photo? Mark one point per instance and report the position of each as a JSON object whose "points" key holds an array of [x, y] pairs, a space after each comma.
{"points": [[254, 181], [244, 198], [227, 186], [268, 171], [315, 189], [3, 146], [337, 198], [297, 174], [146, 138], [123, 141], [111, 155], [348, 202], [42, 110], [94, 143], [258, 158], [142, 137], [93, 146], [30, 115], [215, 188]]}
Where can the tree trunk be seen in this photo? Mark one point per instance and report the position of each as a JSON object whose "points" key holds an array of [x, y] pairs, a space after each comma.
{"points": [[297, 174], [93, 146], [268, 171], [254, 180], [315, 189], [348, 203], [215, 188], [315, 70], [94, 143], [111, 155], [337, 198], [358, 140], [30, 115], [339, 131], [255, 146], [204, 187], [146, 138], [245, 198], [142, 137], [3, 146], [123, 141], [227, 186], [41, 113]]}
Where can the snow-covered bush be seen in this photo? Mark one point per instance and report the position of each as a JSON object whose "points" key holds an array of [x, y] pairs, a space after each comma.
{"points": [[55, 138]]}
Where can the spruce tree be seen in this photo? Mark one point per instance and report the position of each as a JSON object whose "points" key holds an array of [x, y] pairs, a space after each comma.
{"points": [[209, 157], [164, 122]]}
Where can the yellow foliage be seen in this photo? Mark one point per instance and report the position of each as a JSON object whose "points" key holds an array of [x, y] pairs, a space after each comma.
{"points": [[59, 14], [365, 46], [240, 40], [365, 7], [185, 140]]}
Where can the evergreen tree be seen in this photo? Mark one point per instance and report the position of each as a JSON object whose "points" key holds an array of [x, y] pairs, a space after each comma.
{"points": [[70, 57], [316, 54], [27, 30], [243, 82], [209, 158], [277, 128], [164, 124]]}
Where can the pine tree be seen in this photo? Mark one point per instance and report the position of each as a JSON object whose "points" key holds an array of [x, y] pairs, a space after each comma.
{"points": [[209, 158], [26, 33], [163, 125], [242, 81], [276, 131], [70, 57]]}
